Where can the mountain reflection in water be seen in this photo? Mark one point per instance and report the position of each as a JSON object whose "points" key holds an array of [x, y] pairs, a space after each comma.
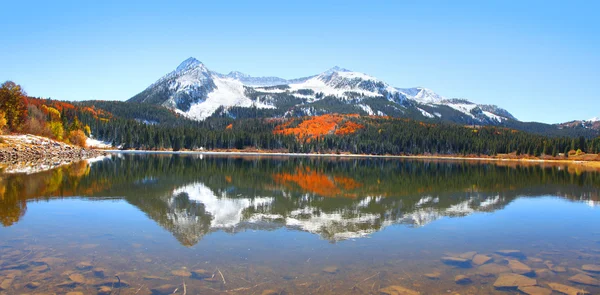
{"points": [[335, 198]]}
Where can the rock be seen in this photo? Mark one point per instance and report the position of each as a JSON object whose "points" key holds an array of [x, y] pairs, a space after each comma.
{"points": [[543, 273], [99, 272], [462, 280], [492, 269], [104, 290], [67, 284], [511, 253], [584, 280], [269, 292], [468, 255], [163, 290], [398, 290], [33, 285], [5, 284], [115, 283], [591, 267], [77, 278], [481, 259], [201, 274], [41, 268], [513, 281], [519, 267], [456, 261], [535, 260], [154, 278], [181, 273], [564, 289], [535, 290], [433, 276], [85, 265], [74, 293], [559, 269], [331, 269]]}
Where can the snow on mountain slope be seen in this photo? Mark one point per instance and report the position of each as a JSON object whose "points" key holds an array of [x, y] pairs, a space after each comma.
{"points": [[227, 93], [197, 92], [422, 95], [341, 82]]}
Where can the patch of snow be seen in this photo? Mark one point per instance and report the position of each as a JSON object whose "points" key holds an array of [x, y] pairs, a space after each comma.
{"points": [[489, 202], [366, 108], [228, 93], [463, 108], [94, 143], [493, 116], [425, 113], [422, 95]]}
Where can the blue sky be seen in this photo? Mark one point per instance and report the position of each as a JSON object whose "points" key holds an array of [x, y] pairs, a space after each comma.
{"points": [[538, 59]]}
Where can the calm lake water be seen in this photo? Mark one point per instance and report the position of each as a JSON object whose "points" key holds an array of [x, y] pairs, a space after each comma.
{"points": [[282, 225]]}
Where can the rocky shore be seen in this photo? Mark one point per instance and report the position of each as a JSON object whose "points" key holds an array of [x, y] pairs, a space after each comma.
{"points": [[29, 153]]}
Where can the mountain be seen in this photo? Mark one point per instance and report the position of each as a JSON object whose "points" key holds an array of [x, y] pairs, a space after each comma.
{"points": [[198, 93], [591, 124]]}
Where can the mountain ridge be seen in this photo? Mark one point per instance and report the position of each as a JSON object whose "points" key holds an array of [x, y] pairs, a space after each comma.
{"points": [[197, 92]]}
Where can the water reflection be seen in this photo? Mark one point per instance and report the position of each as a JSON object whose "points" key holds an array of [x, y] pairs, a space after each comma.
{"points": [[337, 199]]}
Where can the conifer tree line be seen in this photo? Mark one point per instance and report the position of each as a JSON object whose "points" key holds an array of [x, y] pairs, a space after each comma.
{"points": [[380, 136], [150, 127]]}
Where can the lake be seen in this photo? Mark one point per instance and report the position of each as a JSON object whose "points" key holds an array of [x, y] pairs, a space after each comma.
{"points": [[198, 224]]}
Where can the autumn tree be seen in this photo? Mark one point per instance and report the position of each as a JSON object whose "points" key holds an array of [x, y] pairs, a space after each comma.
{"points": [[12, 102], [2, 121]]}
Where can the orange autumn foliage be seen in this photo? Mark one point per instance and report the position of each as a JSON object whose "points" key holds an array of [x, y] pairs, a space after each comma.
{"points": [[314, 127], [229, 127], [318, 183], [348, 127]]}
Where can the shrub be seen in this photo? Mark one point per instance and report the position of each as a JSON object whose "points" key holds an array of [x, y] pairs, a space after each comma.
{"points": [[77, 137]]}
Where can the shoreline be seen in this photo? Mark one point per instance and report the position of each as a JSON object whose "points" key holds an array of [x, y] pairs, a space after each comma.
{"points": [[26, 153], [585, 163]]}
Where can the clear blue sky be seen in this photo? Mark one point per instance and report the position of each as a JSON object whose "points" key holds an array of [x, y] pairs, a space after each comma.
{"points": [[538, 59]]}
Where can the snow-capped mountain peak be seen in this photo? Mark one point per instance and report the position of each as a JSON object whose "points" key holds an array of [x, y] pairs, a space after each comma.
{"points": [[188, 64], [422, 95], [335, 69], [197, 92], [594, 119], [237, 75]]}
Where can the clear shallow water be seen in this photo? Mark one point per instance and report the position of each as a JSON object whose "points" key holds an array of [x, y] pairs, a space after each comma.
{"points": [[291, 225]]}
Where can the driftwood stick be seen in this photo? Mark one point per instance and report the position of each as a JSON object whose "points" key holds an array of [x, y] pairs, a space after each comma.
{"points": [[222, 277]]}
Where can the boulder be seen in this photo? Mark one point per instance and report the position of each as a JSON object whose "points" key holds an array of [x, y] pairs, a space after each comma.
{"points": [[535, 290], [481, 259], [456, 261], [433, 275], [331, 269], [33, 285], [163, 289], [181, 273], [104, 290], [5, 284], [462, 279], [84, 265], [468, 255], [492, 269], [568, 290], [398, 290], [591, 267], [77, 278], [584, 280], [201, 274], [519, 267], [513, 281], [511, 253]]}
